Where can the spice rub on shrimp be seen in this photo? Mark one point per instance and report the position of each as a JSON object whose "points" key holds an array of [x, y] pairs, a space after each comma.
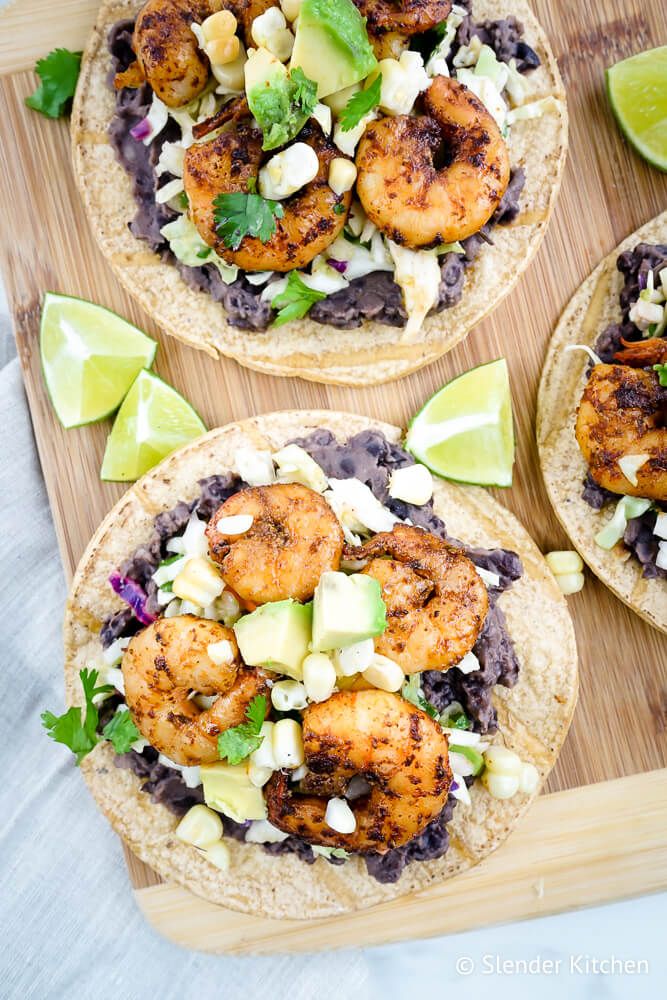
{"points": [[230, 163], [294, 538], [397, 748], [436, 600], [168, 56], [434, 178], [390, 24], [169, 660], [623, 413]]}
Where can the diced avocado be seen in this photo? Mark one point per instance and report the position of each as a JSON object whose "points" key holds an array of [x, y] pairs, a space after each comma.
{"points": [[346, 609], [276, 636], [331, 45], [279, 103], [228, 789]]}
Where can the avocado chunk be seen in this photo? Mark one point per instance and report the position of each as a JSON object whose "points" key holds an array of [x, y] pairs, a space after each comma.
{"points": [[346, 609], [280, 102], [332, 46], [228, 789], [276, 636]]}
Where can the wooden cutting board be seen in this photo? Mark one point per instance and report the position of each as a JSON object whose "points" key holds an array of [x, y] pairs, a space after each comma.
{"points": [[598, 833]]}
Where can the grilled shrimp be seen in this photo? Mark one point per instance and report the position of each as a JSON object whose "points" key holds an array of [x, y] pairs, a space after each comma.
{"points": [[436, 601], [164, 664], [390, 25], [435, 178], [168, 56], [623, 412], [228, 163], [397, 748], [294, 538], [643, 353]]}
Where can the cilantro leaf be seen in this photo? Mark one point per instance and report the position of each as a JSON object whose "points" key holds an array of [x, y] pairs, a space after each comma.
{"points": [[360, 104], [238, 743], [295, 301], [58, 73], [282, 105], [75, 732], [339, 208], [239, 215], [121, 732], [662, 373]]}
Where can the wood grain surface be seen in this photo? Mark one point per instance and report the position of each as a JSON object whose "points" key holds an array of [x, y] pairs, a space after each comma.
{"points": [[620, 727]]}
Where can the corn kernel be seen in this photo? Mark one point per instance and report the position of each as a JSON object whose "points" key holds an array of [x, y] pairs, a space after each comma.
{"points": [[223, 50], [500, 786], [342, 175], [384, 674], [354, 659], [287, 743], [200, 827], [287, 696], [218, 854], [291, 8], [222, 24], [263, 755], [258, 775], [198, 582], [561, 563], [500, 760], [570, 583], [339, 816], [319, 676], [529, 779]]}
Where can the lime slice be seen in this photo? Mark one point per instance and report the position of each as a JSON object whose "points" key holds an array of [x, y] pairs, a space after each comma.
{"points": [[465, 432], [90, 358], [153, 421], [637, 89]]}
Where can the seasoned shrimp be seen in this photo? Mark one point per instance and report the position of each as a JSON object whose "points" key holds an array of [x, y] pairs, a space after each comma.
{"points": [[168, 55], [390, 25], [436, 601], [434, 178], [622, 413], [229, 163], [643, 353], [164, 664], [294, 538], [397, 748]]}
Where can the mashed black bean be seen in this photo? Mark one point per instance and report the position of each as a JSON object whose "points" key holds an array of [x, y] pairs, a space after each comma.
{"points": [[375, 296], [371, 458], [635, 266]]}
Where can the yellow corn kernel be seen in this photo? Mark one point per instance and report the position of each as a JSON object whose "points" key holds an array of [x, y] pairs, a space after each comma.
{"points": [[564, 562], [199, 582], [223, 50], [570, 583], [223, 24]]}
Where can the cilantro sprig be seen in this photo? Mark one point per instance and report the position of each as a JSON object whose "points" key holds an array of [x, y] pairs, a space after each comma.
{"points": [[239, 215], [58, 73], [239, 742], [662, 373], [360, 104], [121, 732], [295, 301], [74, 731]]}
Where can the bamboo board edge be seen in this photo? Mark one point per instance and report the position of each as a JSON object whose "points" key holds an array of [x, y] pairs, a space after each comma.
{"points": [[571, 851]]}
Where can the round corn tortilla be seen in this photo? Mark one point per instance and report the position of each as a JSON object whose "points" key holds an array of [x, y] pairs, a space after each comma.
{"points": [[369, 354], [534, 716], [594, 307]]}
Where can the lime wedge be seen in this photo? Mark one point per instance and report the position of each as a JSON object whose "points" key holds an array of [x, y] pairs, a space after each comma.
{"points": [[465, 432], [90, 358], [153, 421], [637, 89]]}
